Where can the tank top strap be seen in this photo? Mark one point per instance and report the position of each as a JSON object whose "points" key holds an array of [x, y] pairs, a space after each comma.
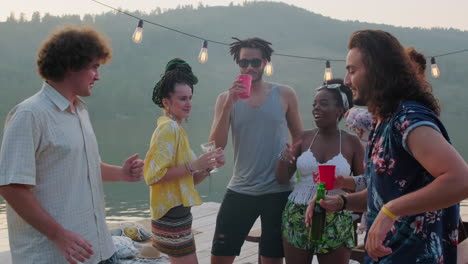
{"points": [[313, 140], [340, 141], [275, 93]]}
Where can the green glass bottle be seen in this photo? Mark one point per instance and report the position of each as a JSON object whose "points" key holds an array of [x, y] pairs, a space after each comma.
{"points": [[318, 219]]}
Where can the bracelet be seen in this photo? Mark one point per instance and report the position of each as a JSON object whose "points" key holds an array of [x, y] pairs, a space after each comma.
{"points": [[281, 157], [345, 201], [388, 213], [360, 182], [188, 167]]}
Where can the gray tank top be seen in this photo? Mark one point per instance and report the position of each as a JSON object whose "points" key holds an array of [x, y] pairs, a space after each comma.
{"points": [[258, 135]]}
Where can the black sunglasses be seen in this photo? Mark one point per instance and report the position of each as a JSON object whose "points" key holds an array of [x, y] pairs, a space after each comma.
{"points": [[244, 63]]}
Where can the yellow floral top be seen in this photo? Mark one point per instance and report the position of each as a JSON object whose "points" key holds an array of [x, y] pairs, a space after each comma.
{"points": [[169, 148]]}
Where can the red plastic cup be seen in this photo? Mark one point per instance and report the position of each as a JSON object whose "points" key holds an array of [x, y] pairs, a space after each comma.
{"points": [[246, 80], [327, 175]]}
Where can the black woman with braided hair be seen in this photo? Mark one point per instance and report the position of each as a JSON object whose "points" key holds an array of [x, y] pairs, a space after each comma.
{"points": [[171, 168]]}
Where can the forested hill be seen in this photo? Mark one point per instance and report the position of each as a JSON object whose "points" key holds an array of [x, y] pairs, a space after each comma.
{"points": [[121, 108]]}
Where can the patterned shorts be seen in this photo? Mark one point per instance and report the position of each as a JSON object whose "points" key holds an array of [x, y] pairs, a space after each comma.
{"points": [[173, 235], [339, 230]]}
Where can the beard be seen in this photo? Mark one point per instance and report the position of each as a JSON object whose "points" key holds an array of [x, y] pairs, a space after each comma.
{"points": [[363, 93], [360, 101], [258, 76]]}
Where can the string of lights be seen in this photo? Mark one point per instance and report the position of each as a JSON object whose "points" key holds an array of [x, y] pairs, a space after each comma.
{"points": [[137, 37], [435, 72]]}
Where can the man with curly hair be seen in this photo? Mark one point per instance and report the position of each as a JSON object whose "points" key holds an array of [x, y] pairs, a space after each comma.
{"points": [[51, 173]]}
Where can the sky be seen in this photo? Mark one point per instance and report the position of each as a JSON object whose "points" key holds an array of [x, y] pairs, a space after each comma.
{"points": [[407, 13]]}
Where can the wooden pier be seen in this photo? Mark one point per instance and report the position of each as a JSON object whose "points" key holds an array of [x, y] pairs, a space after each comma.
{"points": [[204, 221]]}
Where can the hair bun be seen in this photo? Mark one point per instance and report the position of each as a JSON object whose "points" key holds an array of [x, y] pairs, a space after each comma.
{"points": [[176, 63], [176, 71], [182, 69]]}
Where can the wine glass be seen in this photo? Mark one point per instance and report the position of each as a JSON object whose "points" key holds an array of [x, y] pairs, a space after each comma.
{"points": [[207, 147]]}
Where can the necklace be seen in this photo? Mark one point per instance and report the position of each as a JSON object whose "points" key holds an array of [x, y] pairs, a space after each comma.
{"points": [[171, 117]]}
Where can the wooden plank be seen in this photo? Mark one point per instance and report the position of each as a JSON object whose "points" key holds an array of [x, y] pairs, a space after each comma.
{"points": [[205, 222]]}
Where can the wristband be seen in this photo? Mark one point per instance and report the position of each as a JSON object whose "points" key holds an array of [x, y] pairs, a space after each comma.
{"points": [[388, 213], [345, 201], [188, 167], [280, 156]]}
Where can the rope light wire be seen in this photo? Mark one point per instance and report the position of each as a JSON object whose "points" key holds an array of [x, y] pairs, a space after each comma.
{"points": [[203, 56]]}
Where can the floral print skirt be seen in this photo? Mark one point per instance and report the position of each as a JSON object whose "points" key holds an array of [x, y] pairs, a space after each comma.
{"points": [[339, 230]]}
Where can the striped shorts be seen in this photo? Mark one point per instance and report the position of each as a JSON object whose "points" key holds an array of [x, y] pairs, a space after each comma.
{"points": [[172, 234]]}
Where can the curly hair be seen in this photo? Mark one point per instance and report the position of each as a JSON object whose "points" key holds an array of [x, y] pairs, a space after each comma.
{"points": [[255, 43], [337, 94], [71, 48], [418, 59], [391, 75], [177, 71]]}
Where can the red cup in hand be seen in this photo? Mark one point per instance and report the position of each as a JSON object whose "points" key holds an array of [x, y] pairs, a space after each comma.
{"points": [[246, 80], [327, 175]]}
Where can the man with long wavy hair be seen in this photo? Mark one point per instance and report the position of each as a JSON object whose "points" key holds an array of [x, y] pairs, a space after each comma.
{"points": [[416, 179]]}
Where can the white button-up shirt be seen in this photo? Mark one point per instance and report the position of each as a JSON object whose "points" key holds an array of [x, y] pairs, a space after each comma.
{"points": [[48, 146]]}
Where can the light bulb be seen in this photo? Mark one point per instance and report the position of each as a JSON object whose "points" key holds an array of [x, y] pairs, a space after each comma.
{"points": [[328, 75], [203, 56], [434, 68], [268, 69], [138, 34]]}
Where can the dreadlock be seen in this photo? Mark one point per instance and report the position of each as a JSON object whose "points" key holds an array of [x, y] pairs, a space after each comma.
{"points": [[256, 43], [176, 71]]}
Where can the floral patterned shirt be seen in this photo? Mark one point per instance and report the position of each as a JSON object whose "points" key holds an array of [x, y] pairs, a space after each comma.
{"points": [[169, 148], [392, 171]]}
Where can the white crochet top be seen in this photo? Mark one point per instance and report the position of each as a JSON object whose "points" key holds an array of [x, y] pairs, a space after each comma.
{"points": [[307, 165]]}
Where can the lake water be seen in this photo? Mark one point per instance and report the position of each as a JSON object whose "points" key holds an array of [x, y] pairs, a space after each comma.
{"points": [[127, 201]]}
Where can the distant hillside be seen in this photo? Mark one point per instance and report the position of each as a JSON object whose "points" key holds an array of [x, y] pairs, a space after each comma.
{"points": [[121, 107]]}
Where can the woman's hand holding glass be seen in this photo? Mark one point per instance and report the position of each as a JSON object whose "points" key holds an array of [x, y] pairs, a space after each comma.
{"points": [[209, 160], [219, 157], [205, 162], [207, 147]]}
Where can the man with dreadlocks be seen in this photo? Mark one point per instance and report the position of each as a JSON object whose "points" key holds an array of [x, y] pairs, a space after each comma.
{"points": [[259, 127]]}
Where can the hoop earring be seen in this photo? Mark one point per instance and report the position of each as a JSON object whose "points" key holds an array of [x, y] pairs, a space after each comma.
{"points": [[169, 114]]}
